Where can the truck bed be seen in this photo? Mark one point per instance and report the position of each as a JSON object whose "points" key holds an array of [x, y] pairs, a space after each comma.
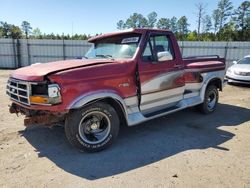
{"points": [[211, 62]]}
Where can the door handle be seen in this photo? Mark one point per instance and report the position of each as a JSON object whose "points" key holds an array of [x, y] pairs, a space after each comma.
{"points": [[177, 66]]}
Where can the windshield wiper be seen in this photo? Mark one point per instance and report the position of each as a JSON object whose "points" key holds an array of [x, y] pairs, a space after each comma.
{"points": [[82, 57], [105, 56]]}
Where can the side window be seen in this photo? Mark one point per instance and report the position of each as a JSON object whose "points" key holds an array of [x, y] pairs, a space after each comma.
{"points": [[158, 49], [147, 54]]}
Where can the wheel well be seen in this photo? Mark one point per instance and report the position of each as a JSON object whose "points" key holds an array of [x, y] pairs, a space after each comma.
{"points": [[216, 82]]}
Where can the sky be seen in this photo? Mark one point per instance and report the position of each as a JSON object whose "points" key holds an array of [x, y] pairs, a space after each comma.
{"points": [[95, 16]]}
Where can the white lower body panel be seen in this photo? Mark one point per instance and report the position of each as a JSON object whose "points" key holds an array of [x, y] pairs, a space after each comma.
{"points": [[155, 101]]}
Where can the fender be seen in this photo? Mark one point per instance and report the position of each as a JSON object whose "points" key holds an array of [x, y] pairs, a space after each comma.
{"points": [[98, 95], [208, 77]]}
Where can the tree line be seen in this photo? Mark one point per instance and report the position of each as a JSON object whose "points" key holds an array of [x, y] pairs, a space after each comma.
{"points": [[225, 23], [26, 31]]}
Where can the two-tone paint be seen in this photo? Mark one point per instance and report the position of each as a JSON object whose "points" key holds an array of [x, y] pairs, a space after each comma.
{"points": [[142, 90]]}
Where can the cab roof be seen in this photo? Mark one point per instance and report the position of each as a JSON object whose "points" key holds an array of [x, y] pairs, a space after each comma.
{"points": [[127, 31]]}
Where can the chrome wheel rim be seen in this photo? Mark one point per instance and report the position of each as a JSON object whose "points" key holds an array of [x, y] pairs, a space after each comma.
{"points": [[94, 127], [211, 100]]}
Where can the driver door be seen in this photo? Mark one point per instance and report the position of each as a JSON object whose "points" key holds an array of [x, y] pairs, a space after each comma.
{"points": [[161, 75]]}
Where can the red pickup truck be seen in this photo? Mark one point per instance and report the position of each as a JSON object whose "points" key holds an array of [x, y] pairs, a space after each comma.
{"points": [[127, 77]]}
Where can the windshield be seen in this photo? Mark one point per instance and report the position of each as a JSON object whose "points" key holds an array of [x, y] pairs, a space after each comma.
{"points": [[244, 61], [122, 46]]}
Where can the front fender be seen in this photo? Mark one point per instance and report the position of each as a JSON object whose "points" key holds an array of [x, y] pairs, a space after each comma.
{"points": [[97, 95]]}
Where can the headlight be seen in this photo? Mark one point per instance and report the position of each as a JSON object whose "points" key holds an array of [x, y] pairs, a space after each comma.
{"points": [[236, 72], [229, 70], [53, 91], [45, 94]]}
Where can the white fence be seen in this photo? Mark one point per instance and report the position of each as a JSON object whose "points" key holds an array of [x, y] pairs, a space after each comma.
{"points": [[20, 53], [231, 51]]}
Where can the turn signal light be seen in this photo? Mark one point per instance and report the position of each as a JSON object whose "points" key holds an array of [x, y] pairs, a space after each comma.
{"points": [[38, 99]]}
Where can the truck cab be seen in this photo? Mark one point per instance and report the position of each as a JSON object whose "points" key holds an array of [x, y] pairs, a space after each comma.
{"points": [[127, 77]]}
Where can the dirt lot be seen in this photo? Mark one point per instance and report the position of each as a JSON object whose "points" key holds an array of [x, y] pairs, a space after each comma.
{"points": [[185, 149]]}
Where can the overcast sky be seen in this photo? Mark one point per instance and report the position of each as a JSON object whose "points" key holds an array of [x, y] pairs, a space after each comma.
{"points": [[94, 16]]}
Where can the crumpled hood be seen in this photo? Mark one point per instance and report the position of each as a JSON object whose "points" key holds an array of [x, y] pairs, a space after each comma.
{"points": [[241, 67], [36, 72]]}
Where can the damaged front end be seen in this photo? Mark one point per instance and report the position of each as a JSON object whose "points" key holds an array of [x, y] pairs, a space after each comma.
{"points": [[38, 117], [28, 93]]}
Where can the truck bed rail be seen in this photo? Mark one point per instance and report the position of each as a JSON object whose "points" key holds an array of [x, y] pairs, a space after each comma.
{"points": [[201, 56]]}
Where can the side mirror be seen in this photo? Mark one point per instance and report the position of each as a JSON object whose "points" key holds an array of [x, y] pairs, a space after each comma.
{"points": [[164, 56], [234, 62]]}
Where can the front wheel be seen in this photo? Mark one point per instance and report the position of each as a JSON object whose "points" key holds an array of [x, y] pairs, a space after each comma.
{"points": [[210, 100], [92, 128]]}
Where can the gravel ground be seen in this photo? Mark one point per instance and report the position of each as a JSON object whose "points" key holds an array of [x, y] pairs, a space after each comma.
{"points": [[185, 149]]}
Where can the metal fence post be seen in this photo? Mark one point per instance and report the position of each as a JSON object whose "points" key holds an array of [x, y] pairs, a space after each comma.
{"points": [[28, 51], [14, 52], [225, 54], [18, 53], [63, 45], [226, 48]]}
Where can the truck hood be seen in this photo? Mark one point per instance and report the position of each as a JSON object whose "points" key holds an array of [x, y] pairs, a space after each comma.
{"points": [[36, 72]]}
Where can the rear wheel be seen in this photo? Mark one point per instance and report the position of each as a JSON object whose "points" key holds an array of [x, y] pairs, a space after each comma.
{"points": [[210, 100], [92, 128]]}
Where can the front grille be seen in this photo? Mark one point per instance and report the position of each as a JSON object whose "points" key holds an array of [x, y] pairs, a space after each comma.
{"points": [[18, 91], [244, 73]]}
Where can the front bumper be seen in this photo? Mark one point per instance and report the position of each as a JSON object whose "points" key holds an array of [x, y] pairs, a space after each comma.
{"points": [[231, 77], [233, 80], [37, 117]]}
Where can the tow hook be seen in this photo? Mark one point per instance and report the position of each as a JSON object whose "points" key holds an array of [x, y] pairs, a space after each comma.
{"points": [[13, 110]]}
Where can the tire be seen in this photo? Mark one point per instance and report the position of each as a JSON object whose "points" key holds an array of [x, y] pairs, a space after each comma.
{"points": [[210, 100], [92, 128]]}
